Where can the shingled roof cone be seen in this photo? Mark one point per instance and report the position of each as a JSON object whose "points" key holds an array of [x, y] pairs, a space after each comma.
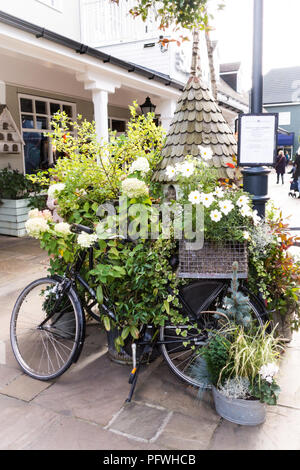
{"points": [[198, 122]]}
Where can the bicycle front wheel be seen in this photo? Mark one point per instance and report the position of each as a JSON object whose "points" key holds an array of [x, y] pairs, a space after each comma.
{"points": [[45, 348], [182, 344]]}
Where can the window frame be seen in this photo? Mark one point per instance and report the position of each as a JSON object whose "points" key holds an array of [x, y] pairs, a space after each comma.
{"points": [[34, 114]]}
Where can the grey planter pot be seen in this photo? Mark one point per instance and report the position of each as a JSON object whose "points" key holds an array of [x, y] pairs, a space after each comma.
{"points": [[13, 215], [244, 412]]}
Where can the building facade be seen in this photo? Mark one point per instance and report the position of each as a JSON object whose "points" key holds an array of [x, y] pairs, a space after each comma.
{"points": [[282, 96], [87, 57]]}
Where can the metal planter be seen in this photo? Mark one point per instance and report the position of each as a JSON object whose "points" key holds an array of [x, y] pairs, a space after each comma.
{"points": [[238, 411]]}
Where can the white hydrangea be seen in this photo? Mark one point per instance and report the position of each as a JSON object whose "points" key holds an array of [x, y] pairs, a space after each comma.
{"points": [[140, 164], [33, 213], [54, 189], [35, 226], [85, 240], [62, 228], [268, 371], [134, 188]]}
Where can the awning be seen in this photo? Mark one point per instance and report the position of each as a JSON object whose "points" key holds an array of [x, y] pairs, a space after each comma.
{"points": [[285, 140]]}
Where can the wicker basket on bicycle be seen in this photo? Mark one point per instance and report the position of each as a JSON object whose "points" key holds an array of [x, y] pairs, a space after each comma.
{"points": [[214, 260]]}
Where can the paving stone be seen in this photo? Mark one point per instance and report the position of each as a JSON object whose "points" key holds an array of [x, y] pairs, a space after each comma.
{"points": [[24, 388], [95, 392], [281, 431], [288, 380], [164, 389], [8, 374], [184, 432], [141, 421]]}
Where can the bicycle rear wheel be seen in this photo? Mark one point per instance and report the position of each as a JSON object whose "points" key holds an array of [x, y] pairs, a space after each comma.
{"points": [[46, 351], [182, 354]]}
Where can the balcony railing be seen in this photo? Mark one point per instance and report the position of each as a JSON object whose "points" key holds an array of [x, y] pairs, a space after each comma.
{"points": [[105, 23]]}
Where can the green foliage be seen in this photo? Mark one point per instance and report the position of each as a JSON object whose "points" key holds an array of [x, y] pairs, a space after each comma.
{"points": [[14, 185], [273, 271], [184, 13], [264, 391], [236, 307], [216, 355]]}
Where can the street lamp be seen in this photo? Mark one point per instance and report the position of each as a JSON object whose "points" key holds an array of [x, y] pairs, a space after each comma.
{"points": [[147, 107], [256, 178]]}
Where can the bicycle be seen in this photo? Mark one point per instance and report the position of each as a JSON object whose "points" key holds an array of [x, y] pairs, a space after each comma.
{"points": [[47, 328]]}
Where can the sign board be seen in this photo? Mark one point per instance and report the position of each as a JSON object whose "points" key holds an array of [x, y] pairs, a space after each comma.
{"points": [[257, 139]]}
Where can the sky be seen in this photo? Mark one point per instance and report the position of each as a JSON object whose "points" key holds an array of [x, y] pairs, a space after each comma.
{"points": [[234, 31]]}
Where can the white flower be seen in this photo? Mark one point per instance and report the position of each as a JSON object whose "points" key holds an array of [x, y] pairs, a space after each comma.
{"points": [[207, 199], [54, 189], [33, 213], [195, 197], [171, 172], [242, 201], [255, 217], [46, 214], [85, 240], [205, 152], [268, 371], [187, 169], [140, 164], [62, 228], [35, 226], [246, 235], [246, 211], [219, 192], [216, 216], [226, 206], [134, 188]]}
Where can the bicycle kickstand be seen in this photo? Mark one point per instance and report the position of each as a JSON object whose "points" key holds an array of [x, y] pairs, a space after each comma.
{"points": [[134, 373]]}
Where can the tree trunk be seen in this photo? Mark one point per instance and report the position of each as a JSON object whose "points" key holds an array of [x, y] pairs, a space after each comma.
{"points": [[213, 79], [196, 67]]}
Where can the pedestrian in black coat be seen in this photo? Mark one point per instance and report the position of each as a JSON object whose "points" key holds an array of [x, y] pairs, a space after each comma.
{"points": [[280, 166], [297, 170]]}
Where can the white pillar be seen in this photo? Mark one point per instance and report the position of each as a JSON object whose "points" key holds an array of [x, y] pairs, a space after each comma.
{"points": [[2, 93], [100, 100], [166, 109], [100, 86]]}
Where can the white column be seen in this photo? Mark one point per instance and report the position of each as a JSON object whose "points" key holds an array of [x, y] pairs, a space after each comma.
{"points": [[2, 93], [166, 109], [100, 86], [100, 100]]}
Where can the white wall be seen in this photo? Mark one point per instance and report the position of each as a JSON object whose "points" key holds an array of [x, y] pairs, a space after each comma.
{"points": [[65, 20]]}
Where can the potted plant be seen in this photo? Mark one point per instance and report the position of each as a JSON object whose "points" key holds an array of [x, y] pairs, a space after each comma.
{"points": [[274, 273], [242, 366], [17, 195]]}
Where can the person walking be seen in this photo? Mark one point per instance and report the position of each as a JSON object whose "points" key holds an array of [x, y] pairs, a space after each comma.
{"points": [[297, 170], [280, 166]]}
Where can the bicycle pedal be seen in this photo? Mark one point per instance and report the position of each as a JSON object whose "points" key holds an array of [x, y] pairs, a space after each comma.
{"points": [[132, 375]]}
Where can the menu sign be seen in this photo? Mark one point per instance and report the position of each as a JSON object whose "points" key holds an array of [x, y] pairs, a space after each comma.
{"points": [[257, 139]]}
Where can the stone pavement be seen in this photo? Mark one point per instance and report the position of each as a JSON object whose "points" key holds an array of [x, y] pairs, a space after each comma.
{"points": [[85, 409]]}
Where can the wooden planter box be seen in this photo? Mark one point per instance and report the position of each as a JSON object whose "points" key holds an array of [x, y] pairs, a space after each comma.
{"points": [[13, 215]]}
